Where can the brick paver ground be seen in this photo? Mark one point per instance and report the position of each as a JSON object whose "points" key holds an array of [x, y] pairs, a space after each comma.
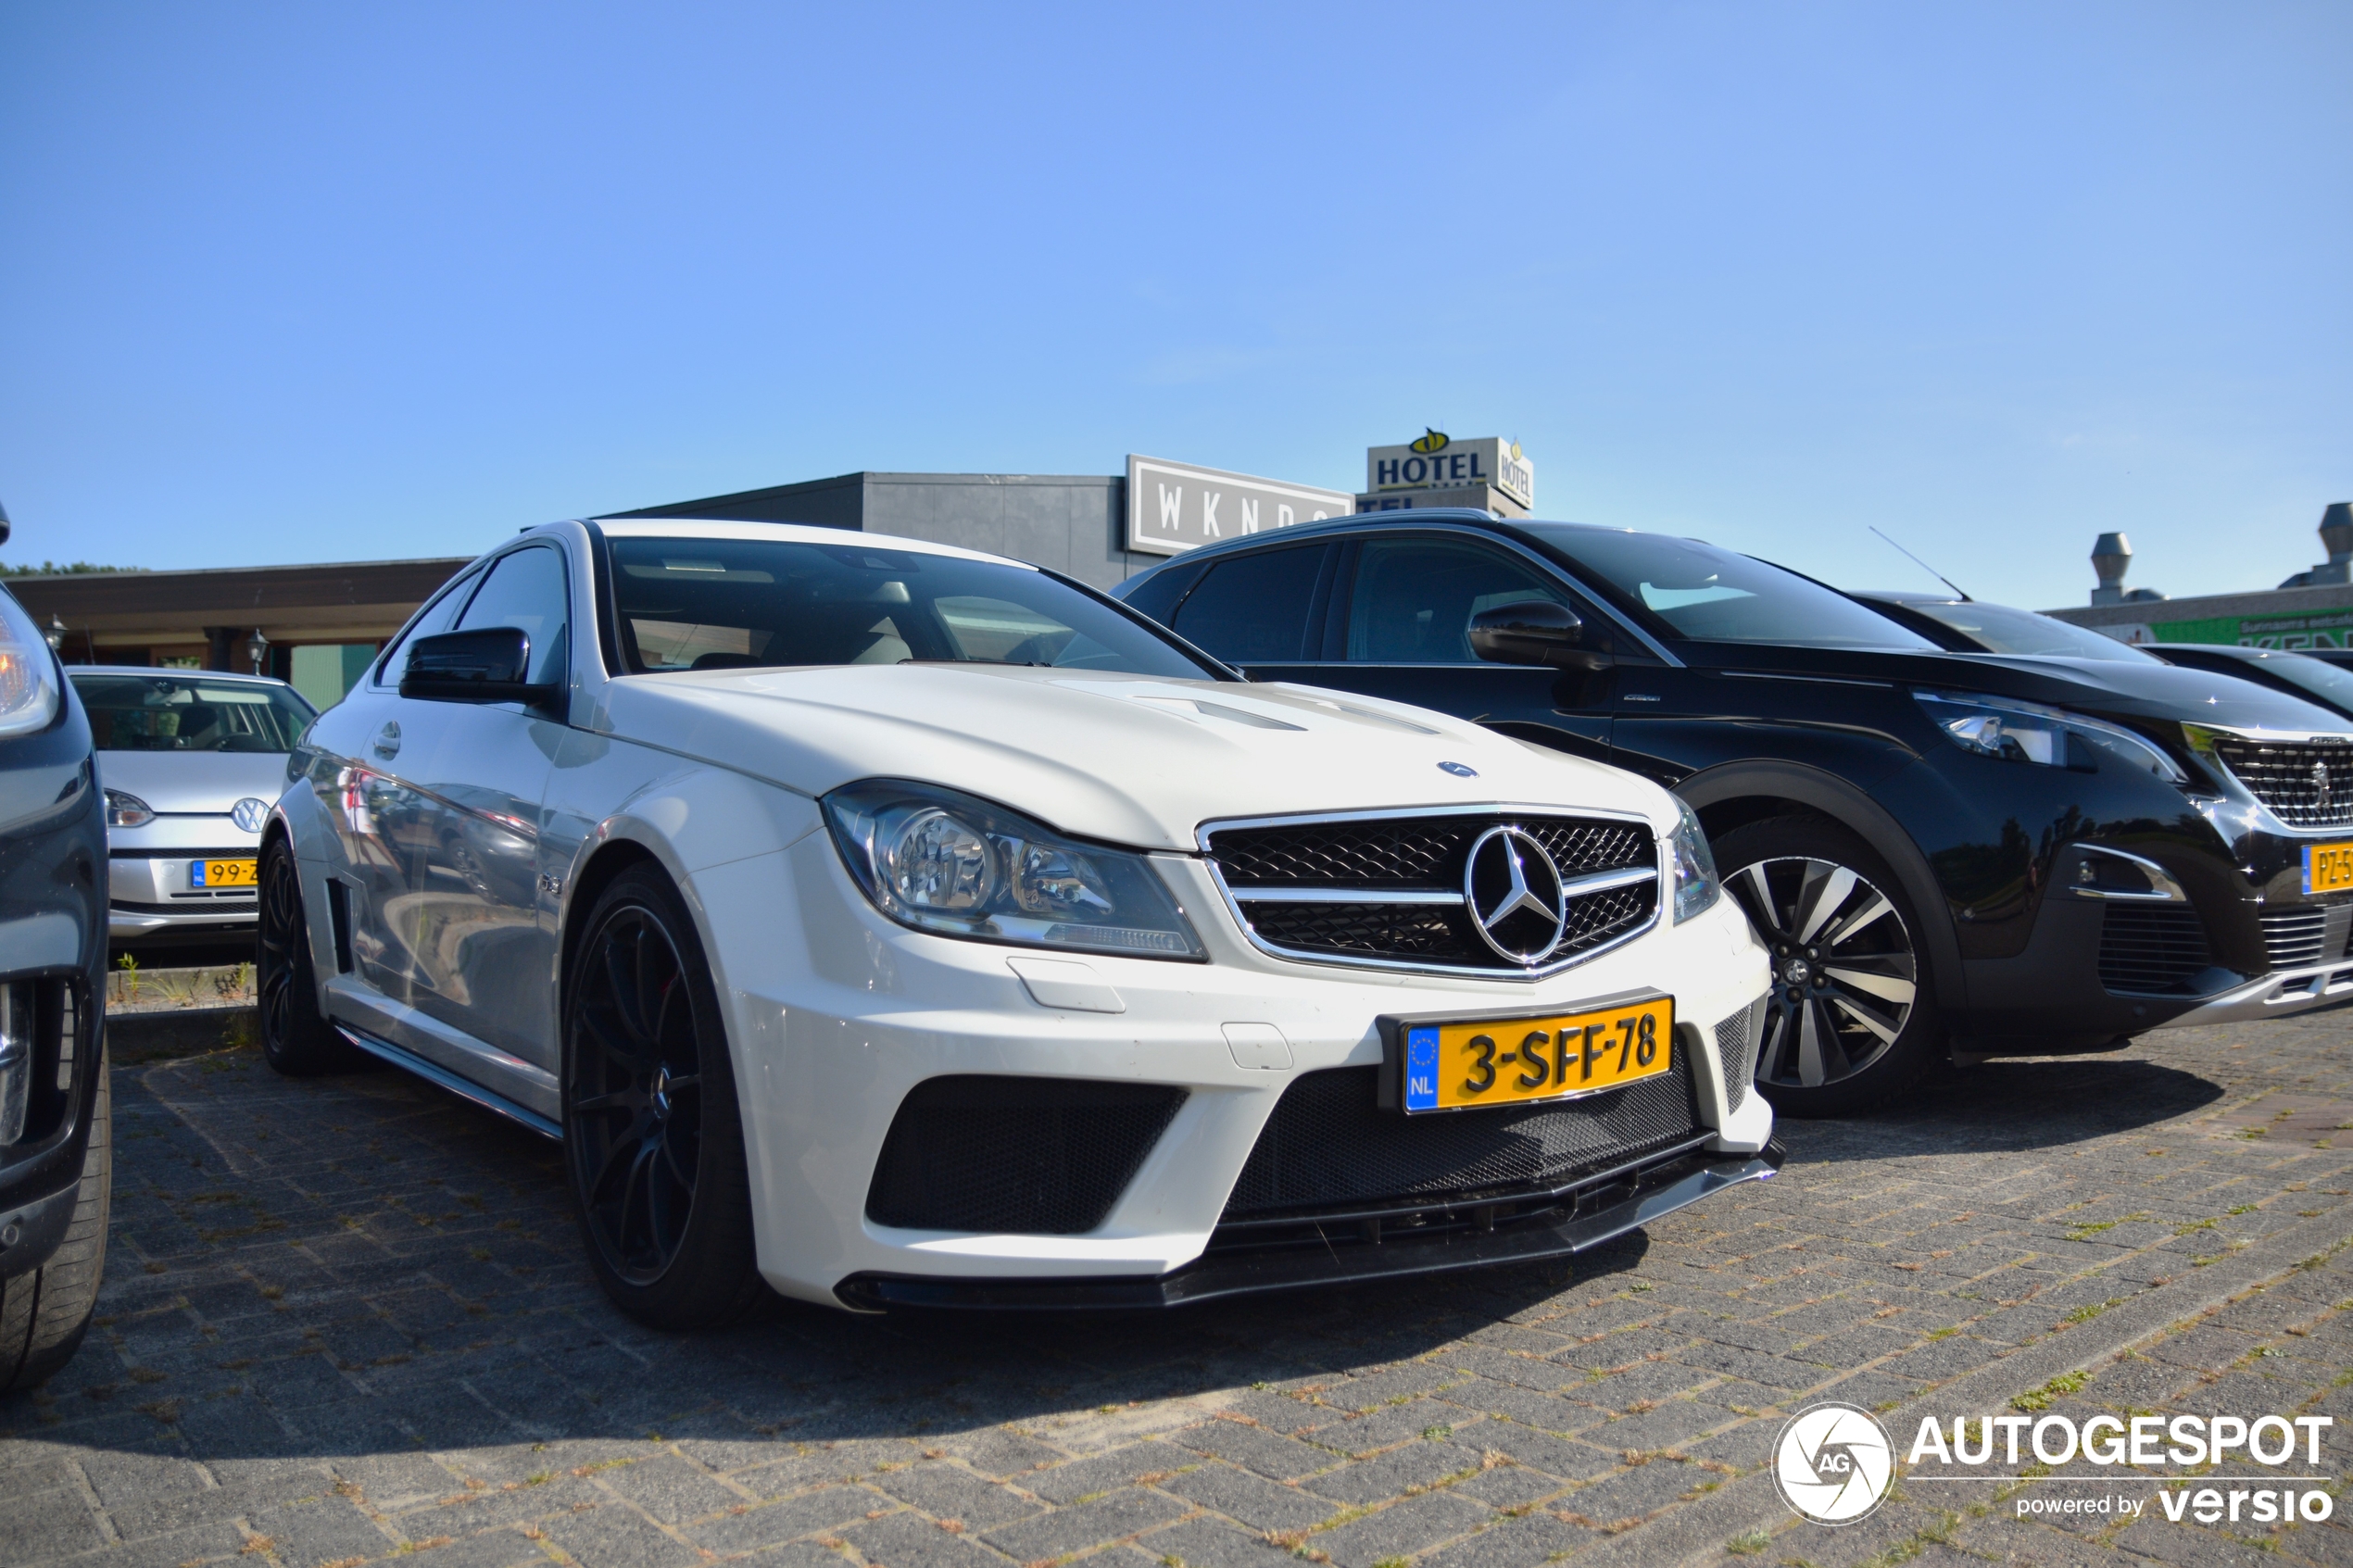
{"points": [[345, 1321]]}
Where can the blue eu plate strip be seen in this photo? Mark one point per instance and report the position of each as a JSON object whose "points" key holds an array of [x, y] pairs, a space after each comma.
{"points": [[1421, 1069]]}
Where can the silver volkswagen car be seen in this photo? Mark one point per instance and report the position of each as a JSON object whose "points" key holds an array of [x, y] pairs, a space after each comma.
{"points": [[191, 761]]}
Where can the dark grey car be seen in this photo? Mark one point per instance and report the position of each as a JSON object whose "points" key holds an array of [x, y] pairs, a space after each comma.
{"points": [[55, 1152]]}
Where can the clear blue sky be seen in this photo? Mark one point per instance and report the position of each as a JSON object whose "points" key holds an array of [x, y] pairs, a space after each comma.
{"points": [[301, 282]]}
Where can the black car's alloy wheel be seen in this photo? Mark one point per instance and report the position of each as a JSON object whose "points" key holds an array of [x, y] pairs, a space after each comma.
{"points": [[1845, 978], [1850, 1018], [652, 1138]]}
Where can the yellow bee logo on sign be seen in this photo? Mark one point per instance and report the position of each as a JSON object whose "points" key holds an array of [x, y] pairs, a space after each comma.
{"points": [[1432, 441]]}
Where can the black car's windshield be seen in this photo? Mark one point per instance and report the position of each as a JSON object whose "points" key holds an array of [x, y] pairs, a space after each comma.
{"points": [[740, 604], [1999, 629], [169, 711], [1710, 594], [2332, 683]]}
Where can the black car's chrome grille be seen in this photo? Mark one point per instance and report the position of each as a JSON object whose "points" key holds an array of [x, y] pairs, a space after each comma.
{"points": [[1393, 886], [2306, 783], [2306, 935], [2147, 951]]}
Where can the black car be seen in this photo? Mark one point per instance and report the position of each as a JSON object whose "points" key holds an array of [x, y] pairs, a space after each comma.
{"points": [[54, 1148], [1948, 851], [2299, 674]]}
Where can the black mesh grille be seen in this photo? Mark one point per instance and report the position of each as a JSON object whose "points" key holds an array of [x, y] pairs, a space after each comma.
{"points": [[1736, 1050], [2306, 784], [1422, 854], [1022, 1156], [2149, 950], [1328, 1145]]}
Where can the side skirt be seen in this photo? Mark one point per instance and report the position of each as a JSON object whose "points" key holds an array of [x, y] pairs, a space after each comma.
{"points": [[433, 1073]]}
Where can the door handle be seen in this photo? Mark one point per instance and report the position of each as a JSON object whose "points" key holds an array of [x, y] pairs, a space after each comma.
{"points": [[387, 742]]}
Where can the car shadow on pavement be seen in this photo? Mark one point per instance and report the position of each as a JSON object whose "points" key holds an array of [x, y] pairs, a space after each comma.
{"points": [[2005, 1105], [365, 1265]]}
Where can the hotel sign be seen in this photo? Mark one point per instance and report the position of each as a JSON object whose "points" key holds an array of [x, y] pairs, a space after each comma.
{"points": [[1173, 508], [1439, 462]]}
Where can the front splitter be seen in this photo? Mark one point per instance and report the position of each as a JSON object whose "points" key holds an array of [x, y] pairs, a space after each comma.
{"points": [[1675, 1184]]}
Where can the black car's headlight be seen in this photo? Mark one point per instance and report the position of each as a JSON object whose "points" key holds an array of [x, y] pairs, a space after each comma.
{"points": [[2026, 732], [946, 862]]}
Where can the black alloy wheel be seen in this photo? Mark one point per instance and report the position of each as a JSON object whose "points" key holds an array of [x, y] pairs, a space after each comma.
{"points": [[296, 1039], [1849, 1019], [652, 1139]]}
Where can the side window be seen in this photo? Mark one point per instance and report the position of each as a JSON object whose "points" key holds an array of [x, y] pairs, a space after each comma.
{"points": [[438, 614], [1253, 608], [1412, 599], [526, 589]]}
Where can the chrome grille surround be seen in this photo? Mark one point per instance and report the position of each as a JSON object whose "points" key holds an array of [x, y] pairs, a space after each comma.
{"points": [[2304, 781], [1386, 885]]}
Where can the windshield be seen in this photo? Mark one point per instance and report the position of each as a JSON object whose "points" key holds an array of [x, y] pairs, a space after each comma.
{"points": [[2000, 629], [742, 604], [174, 712], [1716, 596], [2330, 682]]}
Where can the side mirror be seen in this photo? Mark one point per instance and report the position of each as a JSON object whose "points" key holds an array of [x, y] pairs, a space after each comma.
{"points": [[1534, 632], [486, 665]]}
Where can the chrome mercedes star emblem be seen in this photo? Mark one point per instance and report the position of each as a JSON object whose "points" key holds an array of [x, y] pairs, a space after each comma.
{"points": [[1512, 892]]}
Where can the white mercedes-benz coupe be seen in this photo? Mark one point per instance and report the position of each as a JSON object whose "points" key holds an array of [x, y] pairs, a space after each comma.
{"points": [[896, 924]]}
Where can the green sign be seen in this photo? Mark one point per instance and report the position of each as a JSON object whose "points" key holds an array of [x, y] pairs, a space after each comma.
{"points": [[2319, 629]]}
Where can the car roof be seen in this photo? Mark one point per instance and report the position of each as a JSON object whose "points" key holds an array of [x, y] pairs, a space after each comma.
{"points": [[1492, 522], [172, 672], [785, 533], [2228, 650]]}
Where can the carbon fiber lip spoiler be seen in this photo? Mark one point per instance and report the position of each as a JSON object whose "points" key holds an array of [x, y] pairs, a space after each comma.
{"points": [[1650, 1194]]}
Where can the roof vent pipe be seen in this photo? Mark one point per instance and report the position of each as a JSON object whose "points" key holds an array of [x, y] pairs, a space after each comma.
{"points": [[2112, 558]]}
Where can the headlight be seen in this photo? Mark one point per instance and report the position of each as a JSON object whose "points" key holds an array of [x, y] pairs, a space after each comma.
{"points": [[944, 861], [127, 810], [28, 673], [1696, 888], [2026, 732]]}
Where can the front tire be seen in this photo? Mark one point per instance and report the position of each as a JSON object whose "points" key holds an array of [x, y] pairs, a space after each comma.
{"points": [[44, 1311], [1852, 1017], [653, 1139], [296, 1039]]}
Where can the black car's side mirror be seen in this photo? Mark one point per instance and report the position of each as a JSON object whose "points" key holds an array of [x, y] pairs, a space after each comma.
{"points": [[486, 665], [1534, 632]]}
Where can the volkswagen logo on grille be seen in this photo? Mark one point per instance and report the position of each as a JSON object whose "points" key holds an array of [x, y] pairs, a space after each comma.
{"points": [[2320, 783], [249, 814], [1512, 891]]}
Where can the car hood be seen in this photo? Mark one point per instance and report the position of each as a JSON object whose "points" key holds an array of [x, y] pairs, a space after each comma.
{"points": [[1130, 760], [2133, 688], [195, 780]]}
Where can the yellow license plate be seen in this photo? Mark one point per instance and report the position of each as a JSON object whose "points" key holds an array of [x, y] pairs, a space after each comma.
{"points": [[2328, 867], [222, 873], [1516, 1061]]}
